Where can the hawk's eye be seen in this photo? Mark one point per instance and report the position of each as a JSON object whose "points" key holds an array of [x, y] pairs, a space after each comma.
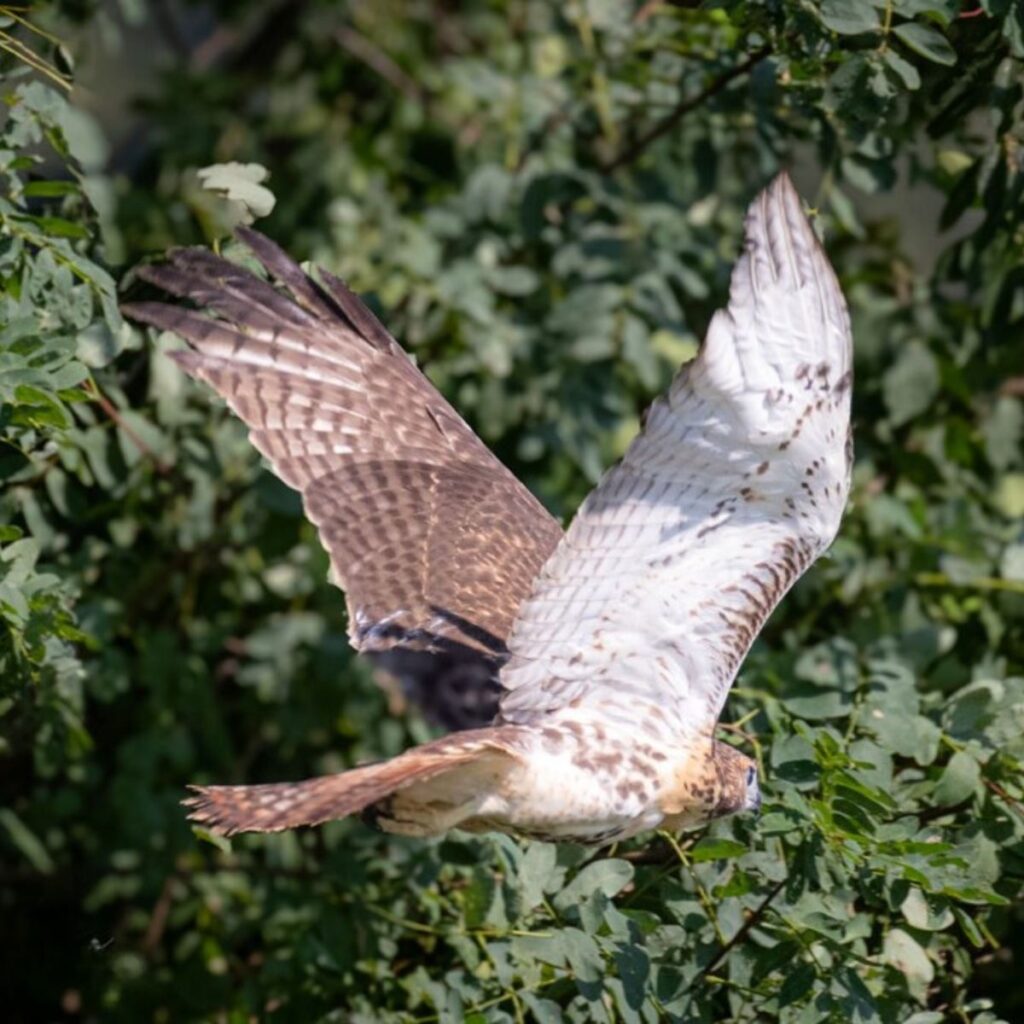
{"points": [[751, 775]]}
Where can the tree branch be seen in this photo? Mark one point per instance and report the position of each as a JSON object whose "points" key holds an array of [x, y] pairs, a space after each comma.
{"points": [[366, 51], [1011, 802], [744, 929], [670, 120], [107, 406]]}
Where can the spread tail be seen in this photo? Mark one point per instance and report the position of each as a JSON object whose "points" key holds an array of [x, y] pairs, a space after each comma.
{"points": [[441, 776]]}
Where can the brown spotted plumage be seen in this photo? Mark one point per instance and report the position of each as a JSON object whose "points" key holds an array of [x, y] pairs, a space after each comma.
{"points": [[434, 541], [615, 645]]}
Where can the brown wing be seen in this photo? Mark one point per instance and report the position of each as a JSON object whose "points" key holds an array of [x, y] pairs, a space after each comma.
{"points": [[435, 542]]}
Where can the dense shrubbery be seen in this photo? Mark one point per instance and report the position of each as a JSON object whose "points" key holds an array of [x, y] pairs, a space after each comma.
{"points": [[545, 201]]}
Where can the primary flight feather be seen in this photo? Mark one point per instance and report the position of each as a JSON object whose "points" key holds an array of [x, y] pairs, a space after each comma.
{"points": [[615, 645]]}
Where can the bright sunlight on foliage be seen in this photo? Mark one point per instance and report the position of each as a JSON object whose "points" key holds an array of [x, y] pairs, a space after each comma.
{"points": [[544, 201]]}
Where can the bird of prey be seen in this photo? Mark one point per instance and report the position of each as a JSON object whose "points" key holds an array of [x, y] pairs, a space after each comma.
{"points": [[615, 644]]}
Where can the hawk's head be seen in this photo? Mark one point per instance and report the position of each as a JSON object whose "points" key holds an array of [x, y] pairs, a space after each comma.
{"points": [[737, 775]]}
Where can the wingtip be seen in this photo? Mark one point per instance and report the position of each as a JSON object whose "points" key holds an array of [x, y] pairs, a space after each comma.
{"points": [[274, 259], [783, 184], [149, 272], [781, 242], [204, 811], [150, 313], [248, 236], [783, 250], [782, 194]]}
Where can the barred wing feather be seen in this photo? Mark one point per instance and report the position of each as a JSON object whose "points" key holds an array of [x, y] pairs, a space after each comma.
{"points": [[435, 542], [734, 487]]}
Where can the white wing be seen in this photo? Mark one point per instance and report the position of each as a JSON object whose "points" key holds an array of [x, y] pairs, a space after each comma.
{"points": [[735, 485]]}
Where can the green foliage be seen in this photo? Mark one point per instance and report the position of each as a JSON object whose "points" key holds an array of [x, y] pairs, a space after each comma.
{"points": [[59, 315], [546, 201]]}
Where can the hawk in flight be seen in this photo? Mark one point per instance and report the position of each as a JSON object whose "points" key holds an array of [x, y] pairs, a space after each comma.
{"points": [[615, 643]]}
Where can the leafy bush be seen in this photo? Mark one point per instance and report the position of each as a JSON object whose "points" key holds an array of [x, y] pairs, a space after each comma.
{"points": [[545, 201]]}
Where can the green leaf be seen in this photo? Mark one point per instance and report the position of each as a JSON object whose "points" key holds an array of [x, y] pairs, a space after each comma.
{"points": [[1009, 495], [709, 848], [815, 702], [1004, 433], [944, 10], [57, 227], [920, 914], [581, 953], [911, 385], [513, 280], [849, 17], [539, 872], [1011, 565], [26, 841], [906, 71], [50, 189], [970, 928], [960, 779], [479, 897], [544, 1011], [607, 876], [633, 965], [797, 984], [905, 954], [926, 41], [219, 842], [39, 409]]}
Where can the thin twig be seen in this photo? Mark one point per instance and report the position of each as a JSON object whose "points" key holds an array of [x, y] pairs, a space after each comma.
{"points": [[554, 120], [12, 13], [702, 893], [670, 120], [1012, 802], [737, 730], [927, 814], [652, 7], [653, 853], [27, 56], [744, 929], [377, 60], [158, 919], [646, 11], [940, 579], [108, 407]]}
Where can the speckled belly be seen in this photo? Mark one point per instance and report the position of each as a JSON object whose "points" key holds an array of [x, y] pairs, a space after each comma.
{"points": [[578, 784]]}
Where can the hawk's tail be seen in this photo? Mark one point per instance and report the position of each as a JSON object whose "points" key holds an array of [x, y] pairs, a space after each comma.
{"points": [[437, 795]]}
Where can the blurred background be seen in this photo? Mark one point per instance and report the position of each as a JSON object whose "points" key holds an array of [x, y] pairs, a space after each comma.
{"points": [[543, 202]]}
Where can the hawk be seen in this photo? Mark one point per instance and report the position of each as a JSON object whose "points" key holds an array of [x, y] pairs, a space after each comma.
{"points": [[615, 644]]}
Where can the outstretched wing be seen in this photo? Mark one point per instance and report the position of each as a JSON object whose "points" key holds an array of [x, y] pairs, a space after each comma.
{"points": [[736, 484], [434, 541]]}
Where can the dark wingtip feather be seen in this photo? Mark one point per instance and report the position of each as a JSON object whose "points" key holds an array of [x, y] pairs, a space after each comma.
{"points": [[189, 360], [330, 295], [267, 251], [784, 183], [213, 808], [204, 811], [282, 267], [358, 314], [155, 314]]}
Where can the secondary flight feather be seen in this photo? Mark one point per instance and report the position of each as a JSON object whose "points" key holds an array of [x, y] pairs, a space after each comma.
{"points": [[615, 645]]}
